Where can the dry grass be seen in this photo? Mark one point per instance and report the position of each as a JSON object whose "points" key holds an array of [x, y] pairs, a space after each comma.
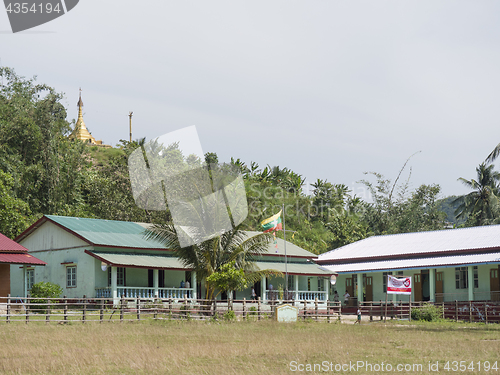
{"points": [[266, 347]]}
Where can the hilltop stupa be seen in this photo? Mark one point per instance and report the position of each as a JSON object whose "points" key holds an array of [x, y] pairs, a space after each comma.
{"points": [[81, 132]]}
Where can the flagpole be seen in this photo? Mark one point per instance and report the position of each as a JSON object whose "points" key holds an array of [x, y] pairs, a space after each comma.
{"points": [[286, 268]]}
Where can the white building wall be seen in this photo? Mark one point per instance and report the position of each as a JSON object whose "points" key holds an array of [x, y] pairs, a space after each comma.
{"points": [[50, 237]]}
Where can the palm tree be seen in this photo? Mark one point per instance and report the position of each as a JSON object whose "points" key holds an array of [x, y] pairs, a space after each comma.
{"points": [[209, 256], [480, 205]]}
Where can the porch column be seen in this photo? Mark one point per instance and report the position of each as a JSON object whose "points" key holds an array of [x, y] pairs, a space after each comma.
{"points": [[327, 287], [25, 278], [263, 288], [155, 283], [194, 285], [296, 280], [360, 287], [470, 280], [432, 285], [114, 291]]}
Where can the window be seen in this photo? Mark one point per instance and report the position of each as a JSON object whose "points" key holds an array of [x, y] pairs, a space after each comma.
{"points": [[476, 278], [384, 280], [461, 281], [291, 283], [308, 284], [71, 277], [120, 276], [30, 278], [321, 284]]}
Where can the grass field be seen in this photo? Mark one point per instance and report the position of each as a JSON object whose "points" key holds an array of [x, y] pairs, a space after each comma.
{"points": [[265, 347]]}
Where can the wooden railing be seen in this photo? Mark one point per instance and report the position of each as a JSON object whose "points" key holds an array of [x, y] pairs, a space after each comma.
{"points": [[63, 310]]}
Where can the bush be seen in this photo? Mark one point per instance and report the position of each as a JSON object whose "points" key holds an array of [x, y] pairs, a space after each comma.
{"points": [[229, 316], [44, 289], [428, 312]]}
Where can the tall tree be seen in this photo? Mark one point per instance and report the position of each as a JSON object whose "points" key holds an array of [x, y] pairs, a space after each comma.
{"points": [[480, 206]]}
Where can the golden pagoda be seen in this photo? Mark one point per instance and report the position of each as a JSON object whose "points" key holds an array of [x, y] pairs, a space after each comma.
{"points": [[81, 132]]}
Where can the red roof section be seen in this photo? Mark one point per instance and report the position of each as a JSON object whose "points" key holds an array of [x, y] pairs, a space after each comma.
{"points": [[20, 258], [7, 245]]}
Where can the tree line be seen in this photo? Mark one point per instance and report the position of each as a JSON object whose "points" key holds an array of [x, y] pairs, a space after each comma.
{"points": [[43, 171]]}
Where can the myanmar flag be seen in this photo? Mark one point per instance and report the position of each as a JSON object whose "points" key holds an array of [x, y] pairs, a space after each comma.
{"points": [[272, 223]]}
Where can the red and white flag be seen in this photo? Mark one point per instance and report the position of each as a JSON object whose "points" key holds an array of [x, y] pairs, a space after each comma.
{"points": [[398, 285]]}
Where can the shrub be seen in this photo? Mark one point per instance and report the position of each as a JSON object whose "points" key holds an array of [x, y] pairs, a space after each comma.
{"points": [[428, 312], [44, 289], [229, 315]]}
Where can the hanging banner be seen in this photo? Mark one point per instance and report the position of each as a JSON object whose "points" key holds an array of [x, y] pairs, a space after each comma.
{"points": [[398, 285]]}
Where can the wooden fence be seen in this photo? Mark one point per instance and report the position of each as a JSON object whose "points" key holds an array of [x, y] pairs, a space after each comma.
{"points": [[64, 310], [463, 311]]}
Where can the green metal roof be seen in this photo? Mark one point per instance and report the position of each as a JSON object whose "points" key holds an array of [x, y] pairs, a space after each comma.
{"points": [[107, 232], [138, 260], [291, 249], [294, 268]]}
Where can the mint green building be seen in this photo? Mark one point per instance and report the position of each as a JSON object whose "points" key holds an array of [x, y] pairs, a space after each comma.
{"points": [[107, 259]]}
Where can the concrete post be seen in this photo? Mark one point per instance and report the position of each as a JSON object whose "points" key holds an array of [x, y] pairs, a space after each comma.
{"points": [[432, 285], [470, 279], [114, 286], [155, 283], [25, 274], [263, 288], [296, 279], [194, 285], [360, 288]]}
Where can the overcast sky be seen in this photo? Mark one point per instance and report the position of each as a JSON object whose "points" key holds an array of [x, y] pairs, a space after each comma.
{"points": [[329, 89]]}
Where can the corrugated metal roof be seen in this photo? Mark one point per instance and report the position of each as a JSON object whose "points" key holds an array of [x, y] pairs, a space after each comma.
{"points": [[448, 240], [6, 244], [20, 258], [291, 249], [294, 268], [131, 235], [139, 260], [419, 263], [108, 232]]}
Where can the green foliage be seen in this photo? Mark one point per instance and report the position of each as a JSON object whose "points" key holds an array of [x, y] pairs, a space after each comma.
{"points": [[228, 278], [45, 289], [428, 312], [229, 316], [14, 213], [480, 207]]}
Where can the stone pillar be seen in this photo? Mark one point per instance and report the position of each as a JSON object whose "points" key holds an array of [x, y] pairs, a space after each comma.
{"points": [[155, 283], [360, 287], [263, 288], [470, 279], [432, 285], [114, 290], [194, 284]]}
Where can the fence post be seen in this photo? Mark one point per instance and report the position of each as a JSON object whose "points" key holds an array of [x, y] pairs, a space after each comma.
{"points": [[65, 309], [485, 313], [381, 311], [316, 307], [47, 312], [258, 308], [170, 307], [328, 311], [122, 306], [101, 311], [442, 305], [340, 310], [470, 311], [27, 308], [138, 309], [8, 308], [305, 309], [84, 317], [155, 307], [244, 308], [409, 310], [456, 311]]}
